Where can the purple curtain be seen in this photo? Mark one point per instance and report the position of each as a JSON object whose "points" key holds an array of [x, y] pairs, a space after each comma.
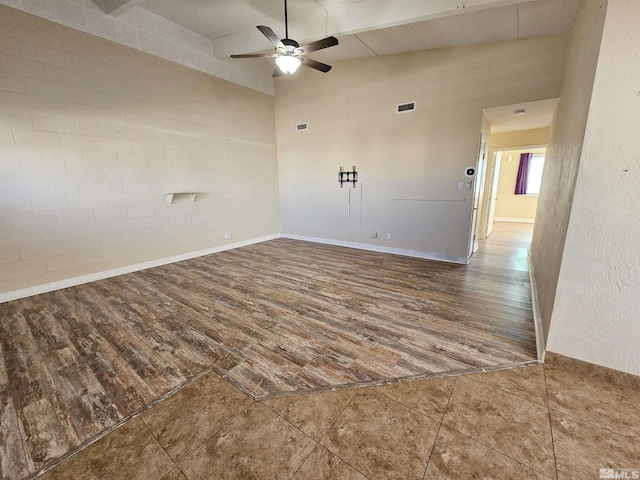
{"points": [[523, 173]]}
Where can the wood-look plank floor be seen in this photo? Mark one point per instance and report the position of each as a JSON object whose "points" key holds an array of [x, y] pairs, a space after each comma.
{"points": [[274, 318]]}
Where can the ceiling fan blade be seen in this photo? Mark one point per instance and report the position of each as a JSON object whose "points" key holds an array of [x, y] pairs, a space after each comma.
{"points": [[319, 45], [323, 67], [255, 55], [276, 73], [273, 38]]}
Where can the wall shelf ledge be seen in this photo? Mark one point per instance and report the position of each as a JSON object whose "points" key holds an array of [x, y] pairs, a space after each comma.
{"points": [[175, 196]]}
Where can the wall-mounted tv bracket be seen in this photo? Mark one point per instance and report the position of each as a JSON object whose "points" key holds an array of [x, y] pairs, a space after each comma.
{"points": [[349, 177]]}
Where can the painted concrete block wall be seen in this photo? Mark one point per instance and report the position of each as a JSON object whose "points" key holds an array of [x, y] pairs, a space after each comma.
{"points": [[93, 134], [143, 30], [510, 205], [563, 155], [596, 317], [409, 164]]}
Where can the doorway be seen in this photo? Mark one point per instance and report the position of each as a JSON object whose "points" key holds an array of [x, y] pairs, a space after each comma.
{"points": [[521, 126], [504, 204]]}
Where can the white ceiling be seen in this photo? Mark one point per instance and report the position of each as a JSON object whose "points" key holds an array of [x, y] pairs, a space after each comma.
{"points": [[367, 27]]}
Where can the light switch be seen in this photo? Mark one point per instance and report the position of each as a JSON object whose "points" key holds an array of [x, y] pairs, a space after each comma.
{"points": [[460, 185]]}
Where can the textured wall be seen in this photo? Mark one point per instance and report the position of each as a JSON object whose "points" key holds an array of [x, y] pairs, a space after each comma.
{"points": [[563, 155], [596, 317], [92, 134], [409, 164]]}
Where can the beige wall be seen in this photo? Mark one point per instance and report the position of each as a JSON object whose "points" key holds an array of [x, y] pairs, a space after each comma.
{"points": [[596, 316], [520, 138], [409, 164], [563, 155], [509, 205], [92, 134], [504, 140]]}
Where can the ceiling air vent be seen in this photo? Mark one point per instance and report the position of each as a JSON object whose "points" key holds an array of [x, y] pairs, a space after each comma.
{"points": [[406, 107], [302, 126]]}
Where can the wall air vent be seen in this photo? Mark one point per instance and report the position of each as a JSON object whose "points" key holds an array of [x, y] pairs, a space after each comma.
{"points": [[302, 126], [406, 107]]}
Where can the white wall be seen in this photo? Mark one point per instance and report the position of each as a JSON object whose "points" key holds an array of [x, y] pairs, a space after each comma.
{"points": [[563, 155], [92, 134], [596, 317], [409, 164]]}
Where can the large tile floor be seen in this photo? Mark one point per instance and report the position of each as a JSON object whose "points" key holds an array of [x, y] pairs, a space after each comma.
{"points": [[564, 420]]}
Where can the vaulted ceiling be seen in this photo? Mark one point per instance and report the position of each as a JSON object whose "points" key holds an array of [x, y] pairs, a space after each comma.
{"points": [[364, 27]]}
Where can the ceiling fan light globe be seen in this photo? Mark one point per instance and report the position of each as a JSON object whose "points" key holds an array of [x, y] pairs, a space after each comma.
{"points": [[288, 64]]}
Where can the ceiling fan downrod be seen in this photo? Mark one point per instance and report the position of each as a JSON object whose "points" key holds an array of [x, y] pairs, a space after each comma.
{"points": [[286, 21]]}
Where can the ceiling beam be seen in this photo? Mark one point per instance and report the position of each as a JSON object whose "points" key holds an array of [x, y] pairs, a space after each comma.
{"points": [[116, 7], [376, 14], [346, 17]]}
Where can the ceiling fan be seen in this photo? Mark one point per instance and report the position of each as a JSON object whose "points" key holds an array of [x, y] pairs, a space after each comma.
{"points": [[289, 54]]}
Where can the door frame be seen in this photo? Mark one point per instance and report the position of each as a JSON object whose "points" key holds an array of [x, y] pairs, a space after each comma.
{"points": [[490, 166], [478, 192], [491, 191]]}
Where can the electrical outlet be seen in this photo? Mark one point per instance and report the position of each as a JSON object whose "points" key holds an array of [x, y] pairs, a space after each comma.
{"points": [[389, 236], [374, 235], [227, 236], [460, 185]]}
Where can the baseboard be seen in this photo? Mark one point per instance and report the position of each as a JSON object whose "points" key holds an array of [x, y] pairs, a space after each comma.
{"points": [[513, 220], [378, 248], [72, 282], [537, 319]]}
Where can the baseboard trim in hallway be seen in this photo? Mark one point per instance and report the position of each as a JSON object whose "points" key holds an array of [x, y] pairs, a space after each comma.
{"points": [[537, 319]]}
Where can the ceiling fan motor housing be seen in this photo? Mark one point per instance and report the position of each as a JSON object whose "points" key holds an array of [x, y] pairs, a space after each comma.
{"points": [[291, 45]]}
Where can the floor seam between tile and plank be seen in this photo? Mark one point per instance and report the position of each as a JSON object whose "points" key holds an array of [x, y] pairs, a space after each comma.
{"points": [[288, 410], [273, 319]]}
